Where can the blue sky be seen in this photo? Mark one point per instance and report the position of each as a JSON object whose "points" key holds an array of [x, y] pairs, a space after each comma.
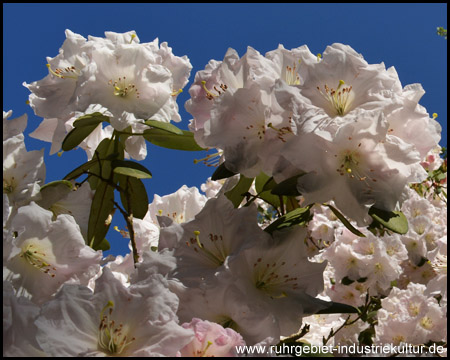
{"points": [[400, 35]]}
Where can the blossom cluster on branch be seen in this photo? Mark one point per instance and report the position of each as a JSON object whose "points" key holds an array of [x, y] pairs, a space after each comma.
{"points": [[323, 224]]}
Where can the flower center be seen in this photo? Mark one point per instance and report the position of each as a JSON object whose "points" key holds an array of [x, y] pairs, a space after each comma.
{"points": [[426, 323], [216, 254], [112, 337], [209, 94], [291, 76], [37, 258], [340, 99], [273, 278], [9, 185], [70, 72], [350, 164], [123, 88]]}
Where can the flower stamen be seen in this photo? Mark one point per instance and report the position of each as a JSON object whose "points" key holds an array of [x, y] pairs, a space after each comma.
{"points": [[111, 338], [69, 72], [340, 99], [122, 88], [211, 95]]}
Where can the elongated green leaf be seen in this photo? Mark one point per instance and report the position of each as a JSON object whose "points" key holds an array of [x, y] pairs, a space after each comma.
{"points": [[345, 221], [222, 172], [172, 141], [67, 185], [392, 220], [90, 119], [53, 192], [338, 308], [76, 136], [106, 151], [164, 126], [101, 208], [287, 187], [80, 170], [104, 245], [237, 194], [131, 168], [295, 217], [135, 200]]}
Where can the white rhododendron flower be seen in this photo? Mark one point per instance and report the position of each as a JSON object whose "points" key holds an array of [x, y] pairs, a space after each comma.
{"points": [[421, 316], [112, 321], [181, 206], [13, 127], [23, 171], [357, 169], [225, 304], [203, 245], [46, 254], [438, 259], [133, 81], [211, 340], [19, 331], [55, 95], [278, 273], [220, 78]]}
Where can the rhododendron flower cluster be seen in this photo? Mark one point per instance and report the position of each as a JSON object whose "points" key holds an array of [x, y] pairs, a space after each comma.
{"points": [[323, 224]]}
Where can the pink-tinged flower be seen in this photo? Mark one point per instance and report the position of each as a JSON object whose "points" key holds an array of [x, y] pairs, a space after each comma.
{"points": [[211, 340], [112, 321], [222, 302], [46, 254]]}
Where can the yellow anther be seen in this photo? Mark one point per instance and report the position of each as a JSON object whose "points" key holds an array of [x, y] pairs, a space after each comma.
{"points": [[435, 115], [175, 93]]}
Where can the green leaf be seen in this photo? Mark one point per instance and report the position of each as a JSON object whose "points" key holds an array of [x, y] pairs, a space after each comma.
{"points": [[237, 194], [90, 119], [131, 168], [338, 308], [287, 187], [80, 170], [393, 220], [345, 221], [104, 245], [136, 195], [164, 126], [294, 217], [102, 207], [76, 136], [53, 192], [263, 185], [172, 141], [106, 151], [222, 172]]}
